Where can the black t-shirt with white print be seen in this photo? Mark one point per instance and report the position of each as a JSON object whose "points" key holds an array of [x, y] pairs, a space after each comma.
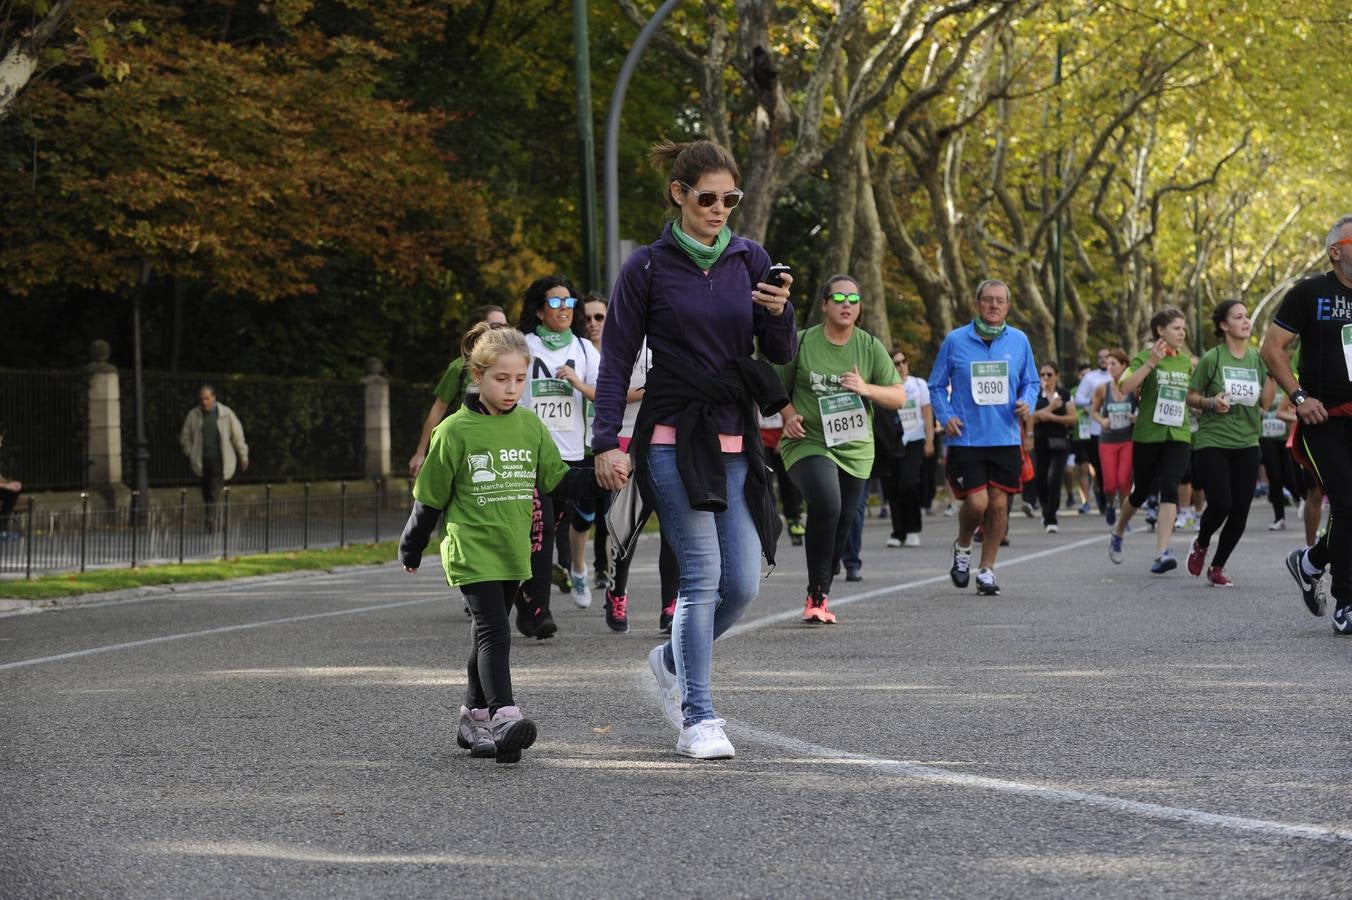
{"points": [[1319, 310]]}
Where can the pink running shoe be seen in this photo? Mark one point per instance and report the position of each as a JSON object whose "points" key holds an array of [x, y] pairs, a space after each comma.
{"points": [[1196, 558]]}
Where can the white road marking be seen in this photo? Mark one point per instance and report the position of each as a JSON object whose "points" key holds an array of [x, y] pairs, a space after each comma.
{"points": [[225, 629], [935, 775], [795, 614]]}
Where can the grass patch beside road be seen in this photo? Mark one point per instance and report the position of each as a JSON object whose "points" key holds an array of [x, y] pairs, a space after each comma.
{"points": [[48, 587]]}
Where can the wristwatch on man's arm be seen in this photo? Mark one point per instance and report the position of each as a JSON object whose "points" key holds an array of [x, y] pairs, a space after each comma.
{"points": [[1298, 396]]}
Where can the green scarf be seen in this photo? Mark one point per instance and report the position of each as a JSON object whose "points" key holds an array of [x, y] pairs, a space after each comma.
{"points": [[554, 340], [986, 331], [704, 256]]}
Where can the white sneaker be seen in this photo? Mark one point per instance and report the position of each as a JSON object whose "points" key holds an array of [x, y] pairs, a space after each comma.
{"points": [[581, 591], [1052, 528], [950, 510], [893, 542], [1279, 525], [705, 740], [668, 687], [912, 540]]}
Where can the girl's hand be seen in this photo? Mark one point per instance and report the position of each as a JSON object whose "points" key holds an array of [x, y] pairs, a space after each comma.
{"points": [[793, 427], [612, 469], [853, 381], [772, 298], [1220, 403], [568, 374], [1158, 351]]}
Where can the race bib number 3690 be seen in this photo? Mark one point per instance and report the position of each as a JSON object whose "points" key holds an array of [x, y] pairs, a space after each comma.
{"points": [[990, 383]]}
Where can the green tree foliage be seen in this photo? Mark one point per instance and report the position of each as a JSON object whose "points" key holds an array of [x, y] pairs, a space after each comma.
{"points": [[309, 182]]}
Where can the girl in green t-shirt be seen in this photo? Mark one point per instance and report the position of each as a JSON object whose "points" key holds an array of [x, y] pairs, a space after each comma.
{"points": [[828, 430], [482, 467], [1159, 374], [1229, 388]]}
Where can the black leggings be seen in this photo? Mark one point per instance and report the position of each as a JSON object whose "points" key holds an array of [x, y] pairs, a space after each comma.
{"points": [[490, 634], [1228, 475], [1281, 473], [1161, 463], [901, 486], [1329, 447], [1048, 468], [790, 500], [832, 498], [542, 550], [667, 569]]}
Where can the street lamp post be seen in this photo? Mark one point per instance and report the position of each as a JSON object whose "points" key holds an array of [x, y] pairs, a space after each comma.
{"points": [[140, 498], [612, 151]]}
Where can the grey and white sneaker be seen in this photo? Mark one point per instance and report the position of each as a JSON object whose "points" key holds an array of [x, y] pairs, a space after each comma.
{"points": [[512, 733], [912, 540], [962, 566], [667, 686], [985, 583], [473, 734], [705, 740], [581, 592], [893, 542]]}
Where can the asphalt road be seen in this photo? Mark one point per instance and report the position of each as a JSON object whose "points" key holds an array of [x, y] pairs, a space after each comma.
{"points": [[1093, 731]]}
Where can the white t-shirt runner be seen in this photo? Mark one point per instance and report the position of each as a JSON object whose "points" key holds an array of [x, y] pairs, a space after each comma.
{"points": [[559, 405], [912, 416]]}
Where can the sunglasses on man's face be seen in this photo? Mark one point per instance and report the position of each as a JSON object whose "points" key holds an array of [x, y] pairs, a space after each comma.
{"points": [[565, 302], [709, 198], [1048, 374], [595, 317], [851, 299]]}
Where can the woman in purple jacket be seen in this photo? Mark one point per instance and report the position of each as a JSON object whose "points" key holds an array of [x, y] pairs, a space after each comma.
{"points": [[700, 296]]}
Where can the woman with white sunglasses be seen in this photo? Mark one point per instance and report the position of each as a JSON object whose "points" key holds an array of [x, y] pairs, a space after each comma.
{"points": [[561, 378]]}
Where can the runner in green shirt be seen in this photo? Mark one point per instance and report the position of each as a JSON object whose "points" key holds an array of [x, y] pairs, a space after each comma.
{"points": [[1159, 374], [482, 467], [450, 390], [840, 370], [1228, 387]]}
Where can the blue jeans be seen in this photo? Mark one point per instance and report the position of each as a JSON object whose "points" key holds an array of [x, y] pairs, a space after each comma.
{"points": [[719, 556]]}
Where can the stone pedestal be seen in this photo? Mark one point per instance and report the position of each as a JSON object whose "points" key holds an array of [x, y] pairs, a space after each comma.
{"points": [[105, 428], [377, 418]]}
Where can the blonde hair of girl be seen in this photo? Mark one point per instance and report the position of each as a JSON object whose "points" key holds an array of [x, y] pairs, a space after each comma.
{"points": [[485, 342]]}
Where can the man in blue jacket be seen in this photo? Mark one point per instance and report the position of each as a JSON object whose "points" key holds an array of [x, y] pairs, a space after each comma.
{"points": [[982, 387]]}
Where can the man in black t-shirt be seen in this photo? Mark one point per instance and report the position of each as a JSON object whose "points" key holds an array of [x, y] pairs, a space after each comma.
{"points": [[1318, 311]]}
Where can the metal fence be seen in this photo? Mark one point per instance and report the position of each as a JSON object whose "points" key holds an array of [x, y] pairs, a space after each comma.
{"points": [[55, 540], [297, 429], [44, 417]]}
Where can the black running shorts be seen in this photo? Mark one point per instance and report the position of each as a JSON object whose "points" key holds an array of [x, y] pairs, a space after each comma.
{"points": [[972, 469]]}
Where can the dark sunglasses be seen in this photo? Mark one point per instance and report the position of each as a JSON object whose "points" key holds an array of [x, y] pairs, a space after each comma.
{"points": [[1047, 374], [851, 299], [565, 302], [709, 198], [595, 317]]}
